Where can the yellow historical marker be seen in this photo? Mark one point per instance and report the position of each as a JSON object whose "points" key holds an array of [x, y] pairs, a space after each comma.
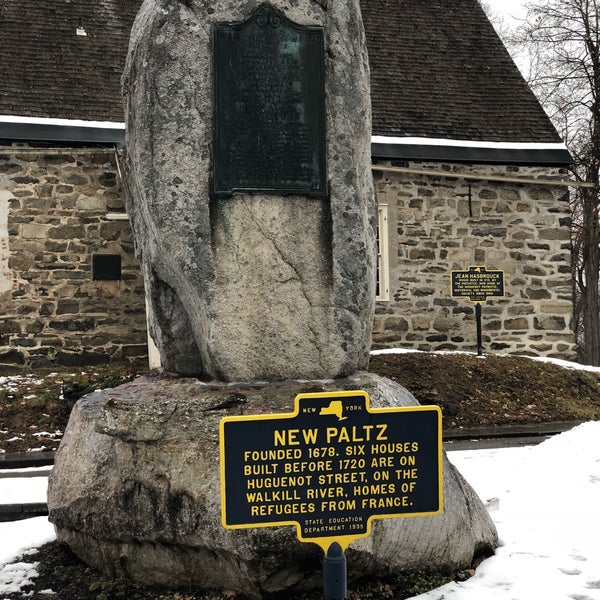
{"points": [[477, 284], [331, 467]]}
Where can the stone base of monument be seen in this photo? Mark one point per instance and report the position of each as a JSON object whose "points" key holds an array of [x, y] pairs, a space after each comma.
{"points": [[136, 493]]}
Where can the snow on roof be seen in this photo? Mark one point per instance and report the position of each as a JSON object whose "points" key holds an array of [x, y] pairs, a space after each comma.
{"points": [[61, 122]]}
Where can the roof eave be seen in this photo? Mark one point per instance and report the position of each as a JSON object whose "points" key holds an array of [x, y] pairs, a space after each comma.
{"points": [[382, 147], [61, 131], [526, 154]]}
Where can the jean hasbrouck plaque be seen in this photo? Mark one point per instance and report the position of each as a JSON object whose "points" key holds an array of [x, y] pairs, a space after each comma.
{"points": [[269, 106]]}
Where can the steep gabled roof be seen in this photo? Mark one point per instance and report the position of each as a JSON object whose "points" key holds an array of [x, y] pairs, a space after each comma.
{"points": [[438, 70], [48, 70], [440, 74]]}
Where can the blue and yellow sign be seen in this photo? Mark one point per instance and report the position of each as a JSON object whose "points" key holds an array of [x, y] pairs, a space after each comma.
{"points": [[331, 467], [478, 284]]}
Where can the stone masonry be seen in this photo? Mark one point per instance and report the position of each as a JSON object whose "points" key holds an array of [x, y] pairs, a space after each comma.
{"points": [[53, 218], [439, 224]]}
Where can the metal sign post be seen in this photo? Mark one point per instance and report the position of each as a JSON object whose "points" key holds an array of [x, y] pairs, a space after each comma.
{"points": [[477, 284], [334, 573], [479, 336], [330, 468]]}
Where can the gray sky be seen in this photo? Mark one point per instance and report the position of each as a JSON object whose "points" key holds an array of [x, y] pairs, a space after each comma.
{"points": [[505, 15], [508, 9]]}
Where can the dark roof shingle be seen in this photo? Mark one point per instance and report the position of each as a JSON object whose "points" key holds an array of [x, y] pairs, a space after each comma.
{"points": [[47, 70], [438, 69]]}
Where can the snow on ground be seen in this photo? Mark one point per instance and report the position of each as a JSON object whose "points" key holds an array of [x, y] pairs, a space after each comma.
{"points": [[19, 539], [28, 488], [544, 500]]}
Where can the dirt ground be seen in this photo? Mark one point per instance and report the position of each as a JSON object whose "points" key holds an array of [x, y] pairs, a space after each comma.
{"points": [[471, 391], [494, 390], [35, 407]]}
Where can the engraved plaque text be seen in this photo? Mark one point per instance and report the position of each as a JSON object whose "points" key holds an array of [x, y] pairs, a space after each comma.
{"points": [[269, 117]]}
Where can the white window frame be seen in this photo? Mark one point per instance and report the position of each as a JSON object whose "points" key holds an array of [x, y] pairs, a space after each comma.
{"points": [[383, 267]]}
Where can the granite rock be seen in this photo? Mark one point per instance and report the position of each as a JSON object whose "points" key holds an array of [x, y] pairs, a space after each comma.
{"points": [[256, 286], [135, 492]]}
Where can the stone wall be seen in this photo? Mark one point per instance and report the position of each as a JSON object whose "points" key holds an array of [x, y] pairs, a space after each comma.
{"points": [[55, 207], [440, 224]]}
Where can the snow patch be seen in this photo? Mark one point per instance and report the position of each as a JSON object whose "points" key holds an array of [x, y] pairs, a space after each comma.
{"points": [[15, 576]]}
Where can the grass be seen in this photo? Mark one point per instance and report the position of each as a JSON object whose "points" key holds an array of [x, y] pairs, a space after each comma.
{"points": [[35, 407]]}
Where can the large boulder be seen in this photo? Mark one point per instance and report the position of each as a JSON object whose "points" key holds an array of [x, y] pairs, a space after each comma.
{"points": [[254, 286], [135, 492]]}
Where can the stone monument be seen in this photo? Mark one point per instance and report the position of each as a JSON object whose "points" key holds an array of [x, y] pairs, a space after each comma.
{"points": [[250, 195], [253, 211]]}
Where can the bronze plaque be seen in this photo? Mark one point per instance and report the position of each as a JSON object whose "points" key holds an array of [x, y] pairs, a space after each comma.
{"points": [[269, 106]]}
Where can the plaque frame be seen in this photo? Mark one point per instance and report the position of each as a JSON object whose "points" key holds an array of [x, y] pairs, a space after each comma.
{"points": [[311, 449], [271, 155]]}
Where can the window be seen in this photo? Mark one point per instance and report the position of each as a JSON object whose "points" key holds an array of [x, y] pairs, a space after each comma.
{"points": [[383, 277]]}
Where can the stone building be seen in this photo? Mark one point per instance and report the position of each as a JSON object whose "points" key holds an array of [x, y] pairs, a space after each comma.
{"points": [[71, 291], [468, 171]]}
